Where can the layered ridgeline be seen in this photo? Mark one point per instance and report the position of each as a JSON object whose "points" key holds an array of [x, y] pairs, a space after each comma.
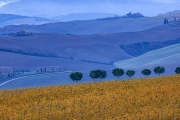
{"points": [[11, 19], [30, 47], [87, 27], [155, 98], [74, 50]]}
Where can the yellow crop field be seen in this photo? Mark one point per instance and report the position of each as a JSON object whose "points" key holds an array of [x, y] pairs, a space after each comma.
{"points": [[141, 99]]}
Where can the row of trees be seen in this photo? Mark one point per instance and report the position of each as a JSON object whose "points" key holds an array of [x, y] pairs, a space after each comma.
{"points": [[10, 75], [118, 72], [166, 21]]}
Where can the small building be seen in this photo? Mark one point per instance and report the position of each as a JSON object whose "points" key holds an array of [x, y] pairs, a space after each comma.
{"points": [[6, 70], [50, 69]]}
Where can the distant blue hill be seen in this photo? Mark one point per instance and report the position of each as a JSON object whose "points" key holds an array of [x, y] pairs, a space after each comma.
{"points": [[82, 16], [5, 17], [11, 19], [87, 27]]}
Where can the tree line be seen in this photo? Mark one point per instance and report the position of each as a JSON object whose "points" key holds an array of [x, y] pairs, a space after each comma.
{"points": [[118, 72], [16, 73]]}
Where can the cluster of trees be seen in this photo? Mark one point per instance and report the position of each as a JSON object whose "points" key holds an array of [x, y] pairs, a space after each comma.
{"points": [[5, 77], [76, 76], [166, 21], [98, 74], [28, 53], [177, 70], [118, 72], [21, 33]]}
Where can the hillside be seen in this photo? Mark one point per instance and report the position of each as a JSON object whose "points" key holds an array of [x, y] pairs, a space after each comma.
{"points": [[82, 16], [64, 46], [11, 19], [137, 49], [163, 56], [19, 61], [87, 27], [170, 15], [58, 49], [153, 98]]}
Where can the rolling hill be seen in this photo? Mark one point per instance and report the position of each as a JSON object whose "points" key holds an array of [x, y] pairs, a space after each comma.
{"points": [[87, 27], [137, 49], [11, 19], [96, 48], [170, 15], [65, 46], [19, 61], [167, 56], [85, 52], [82, 16]]}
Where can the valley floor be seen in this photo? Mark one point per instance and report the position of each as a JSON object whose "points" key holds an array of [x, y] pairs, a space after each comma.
{"points": [[153, 98]]}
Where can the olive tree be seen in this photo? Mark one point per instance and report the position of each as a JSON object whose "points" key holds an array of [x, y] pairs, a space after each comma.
{"points": [[103, 75], [177, 70], [159, 70], [146, 72], [130, 73], [95, 74], [76, 76], [117, 72]]}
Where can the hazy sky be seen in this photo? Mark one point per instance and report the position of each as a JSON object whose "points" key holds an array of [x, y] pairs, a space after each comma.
{"points": [[50, 8]]}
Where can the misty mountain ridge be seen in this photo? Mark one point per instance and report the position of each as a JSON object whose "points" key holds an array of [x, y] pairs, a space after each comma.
{"points": [[88, 16], [11, 19], [87, 27], [82, 16]]}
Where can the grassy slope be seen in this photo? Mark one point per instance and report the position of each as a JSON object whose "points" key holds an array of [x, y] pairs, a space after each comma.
{"points": [[66, 46], [165, 55], [154, 98], [32, 62]]}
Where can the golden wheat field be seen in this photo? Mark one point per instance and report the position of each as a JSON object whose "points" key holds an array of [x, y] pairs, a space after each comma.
{"points": [[141, 99]]}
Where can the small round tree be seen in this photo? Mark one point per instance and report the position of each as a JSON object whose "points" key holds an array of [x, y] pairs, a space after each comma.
{"points": [[146, 72], [130, 73], [93, 75], [76, 76], [177, 70], [117, 72], [103, 75], [159, 70], [98, 73]]}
